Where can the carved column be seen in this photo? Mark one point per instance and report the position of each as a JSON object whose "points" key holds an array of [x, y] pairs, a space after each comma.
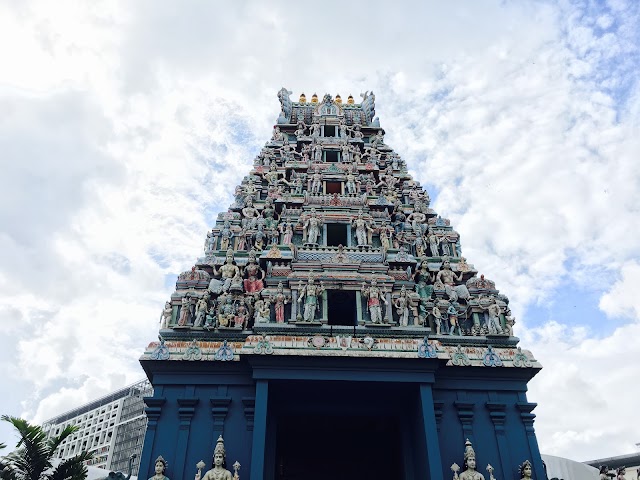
{"points": [[388, 310], [219, 410], [349, 239], [153, 410], [527, 417], [465, 414], [249, 405], [186, 410], [294, 305], [498, 417]]}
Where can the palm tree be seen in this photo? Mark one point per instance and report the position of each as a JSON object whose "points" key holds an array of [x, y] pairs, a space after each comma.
{"points": [[31, 460]]}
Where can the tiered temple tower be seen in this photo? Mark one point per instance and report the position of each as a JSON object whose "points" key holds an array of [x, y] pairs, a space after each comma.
{"points": [[333, 329]]}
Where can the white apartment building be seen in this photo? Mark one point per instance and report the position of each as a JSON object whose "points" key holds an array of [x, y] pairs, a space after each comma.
{"points": [[112, 427]]}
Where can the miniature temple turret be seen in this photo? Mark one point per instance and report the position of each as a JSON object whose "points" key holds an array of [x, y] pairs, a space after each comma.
{"points": [[332, 306]]}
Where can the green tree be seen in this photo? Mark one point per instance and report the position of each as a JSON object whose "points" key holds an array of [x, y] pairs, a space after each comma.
{"points": [[32, 458]]}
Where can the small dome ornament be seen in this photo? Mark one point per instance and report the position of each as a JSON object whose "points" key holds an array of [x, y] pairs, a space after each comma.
{"points": [[303, 98], [350, 100], [314, 98], [338, 99]]}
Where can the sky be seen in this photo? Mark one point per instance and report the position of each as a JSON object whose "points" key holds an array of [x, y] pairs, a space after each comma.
{"points": [[127, 126]]}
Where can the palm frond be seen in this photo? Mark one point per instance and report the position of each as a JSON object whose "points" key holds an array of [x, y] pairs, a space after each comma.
{"points": [[71, 469]]}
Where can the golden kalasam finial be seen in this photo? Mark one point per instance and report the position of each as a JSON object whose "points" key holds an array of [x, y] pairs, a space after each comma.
{"points": [[303, 98], [314, 98], [338, 99], [350, 100]]}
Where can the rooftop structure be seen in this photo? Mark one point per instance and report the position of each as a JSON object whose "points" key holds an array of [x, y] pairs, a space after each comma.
{"points": [[333, 306], [112, 427]]}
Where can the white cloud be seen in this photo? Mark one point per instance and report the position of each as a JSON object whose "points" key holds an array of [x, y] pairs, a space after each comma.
{"points": [[127, 127]]}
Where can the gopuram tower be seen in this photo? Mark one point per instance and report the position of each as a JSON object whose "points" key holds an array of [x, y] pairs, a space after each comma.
{"points": [[332, 328]]}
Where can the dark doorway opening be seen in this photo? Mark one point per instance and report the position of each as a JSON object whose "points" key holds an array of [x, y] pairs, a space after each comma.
{"points": [[321, 447], [329, 130], [330, 156], [334, 187], [336, 234], [341, 305]]}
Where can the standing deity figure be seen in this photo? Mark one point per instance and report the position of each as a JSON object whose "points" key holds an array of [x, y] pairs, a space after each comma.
{"points": [[351, 184], [509, 323], [241, 317], [262, 313], [343, 129], [315, 129], [418, 245], [201, 310], [255, 275], [185, 311], [447, 278], [160, 469], [227, 271], [316, 181], [402, 307], [363, 230], [249, 214], [218, 472], [311, 228], [287, 233], [226, 234], [165, 316], [452, 313], [345, 153], [357, 133], [493, 323], [386, 236], [317, 153], [525, 470], [210, 318], [279, 300], [226, 311], [470, 472], [210, 242], [434, 243], [374, 296], [272, 175], [437, 318], [259, 238], [310, 293]]}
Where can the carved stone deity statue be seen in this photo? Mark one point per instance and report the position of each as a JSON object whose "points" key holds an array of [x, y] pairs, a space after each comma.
{"points": [[253, 283], [227, 272], [316, 181], [165, 317], [160, 469], [277, 136], [201, 310], [374, 296], [301, 128], [493, 323], [312, 228], [218, 472], [454, 324], [434, 242], [226, 234], [437, 318], [287, 233], [315, 129], [226, 311], [249, 214], [279, 300], [185, 311], [402, 307], [447, 278], [310, 293], [377, 140], [350, 185], [470, 472], [210, 242], [525, 470], [363, 230], [262, 313]]}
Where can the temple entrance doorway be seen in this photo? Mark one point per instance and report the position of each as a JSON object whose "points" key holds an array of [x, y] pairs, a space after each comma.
{"points": [[337, 447], [341, 307]]}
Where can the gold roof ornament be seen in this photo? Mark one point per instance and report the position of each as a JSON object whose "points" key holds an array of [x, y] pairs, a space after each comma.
{"points": [[350, 100], [303, 98], [314, 98], [338, 99]]}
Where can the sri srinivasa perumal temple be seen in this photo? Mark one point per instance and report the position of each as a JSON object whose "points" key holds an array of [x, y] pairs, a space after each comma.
{"points": [[333, 329]]}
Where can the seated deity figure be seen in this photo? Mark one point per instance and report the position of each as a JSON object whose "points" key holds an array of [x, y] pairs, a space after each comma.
{"points": [[363, 230], [210, 321], [525, 470], [310, 293], [402, 307], [315, 129], [447, 278], [218, 472], [227, 271], [301, 129], [377, 140], [357, 133], [279, 300], [160, 469], [374, 296], [253, 283], [277, 136], [470, 472], [311, 228], [226, 311], [261, 311], [249, 214]]}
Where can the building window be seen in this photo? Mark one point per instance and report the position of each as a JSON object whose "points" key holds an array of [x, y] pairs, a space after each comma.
{"points": [[331, 156], [336, 234], [329, 131]]}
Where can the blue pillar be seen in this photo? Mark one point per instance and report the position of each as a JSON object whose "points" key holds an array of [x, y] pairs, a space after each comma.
{"points": [[259, 431], [527, 419], [465, 414], [186, 409], [153, 410], [498, 417], [431, 433]]}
